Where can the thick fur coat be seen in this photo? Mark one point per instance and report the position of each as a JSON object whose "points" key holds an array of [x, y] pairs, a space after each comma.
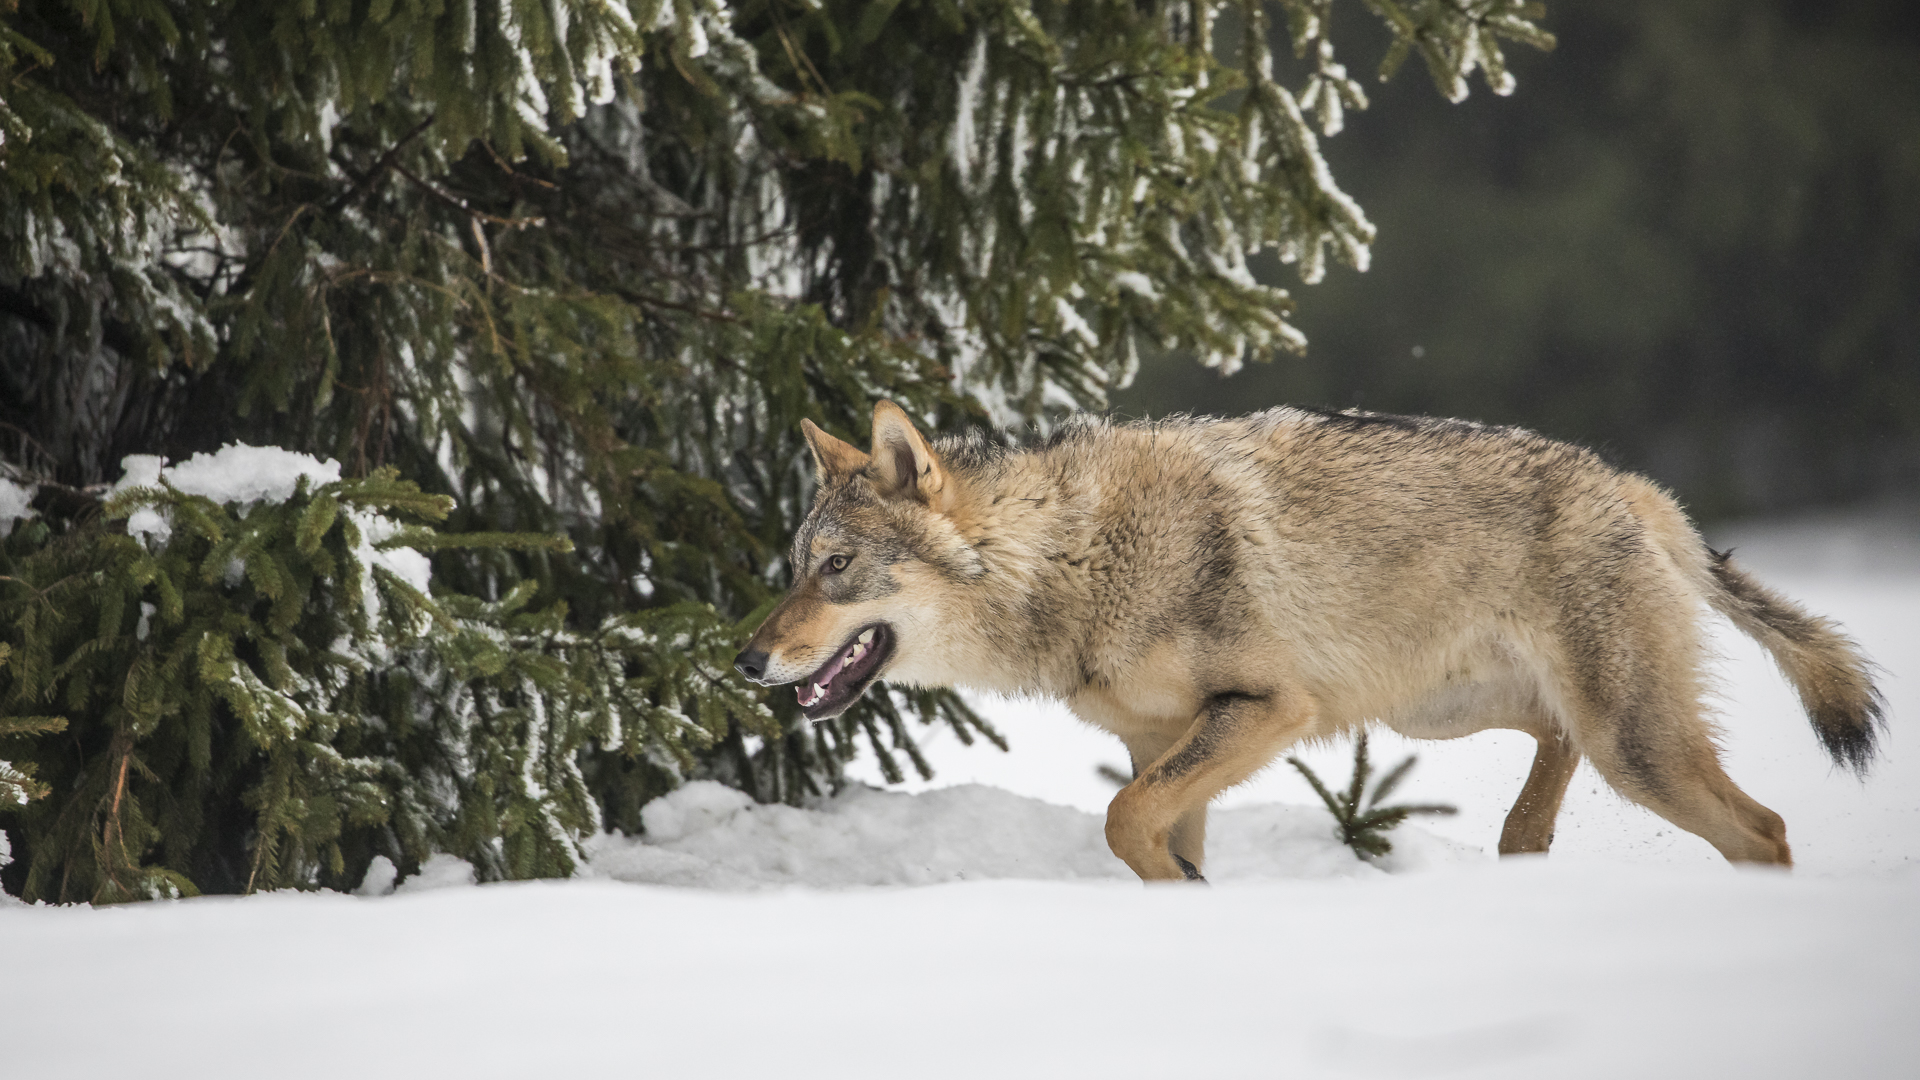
{"points": [[1212, 591]]}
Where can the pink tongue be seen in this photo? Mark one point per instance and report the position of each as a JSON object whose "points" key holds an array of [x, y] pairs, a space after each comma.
{"points": [[825, 681]]}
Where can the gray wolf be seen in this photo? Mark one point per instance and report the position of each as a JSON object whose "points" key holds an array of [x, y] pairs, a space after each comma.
{"points": [[1212, 591]]}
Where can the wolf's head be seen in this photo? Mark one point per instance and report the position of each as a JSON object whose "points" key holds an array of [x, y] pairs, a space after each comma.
{"points": [[869, 566]]}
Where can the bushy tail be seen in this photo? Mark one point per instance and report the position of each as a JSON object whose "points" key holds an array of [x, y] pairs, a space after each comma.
{"points": [[1834, 680]]}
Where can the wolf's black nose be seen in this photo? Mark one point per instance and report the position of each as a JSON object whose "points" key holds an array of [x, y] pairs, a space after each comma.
{"points": [[752, 664]]}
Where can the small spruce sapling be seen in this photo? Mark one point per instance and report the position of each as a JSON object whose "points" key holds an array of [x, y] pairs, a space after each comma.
{"points": [[1362, 822]]}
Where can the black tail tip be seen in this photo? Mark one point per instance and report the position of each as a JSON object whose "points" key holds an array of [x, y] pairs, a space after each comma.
{"points": [[1851, 740]]}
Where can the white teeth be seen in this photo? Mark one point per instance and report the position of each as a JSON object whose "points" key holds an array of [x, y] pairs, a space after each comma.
{"points": [[810, 694]]}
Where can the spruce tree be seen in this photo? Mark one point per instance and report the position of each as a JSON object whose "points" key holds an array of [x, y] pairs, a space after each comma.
{"points": [[578, 267]]}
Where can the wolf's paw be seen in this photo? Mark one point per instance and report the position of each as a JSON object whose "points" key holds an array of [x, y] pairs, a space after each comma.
{"points": [[1188, 869]]}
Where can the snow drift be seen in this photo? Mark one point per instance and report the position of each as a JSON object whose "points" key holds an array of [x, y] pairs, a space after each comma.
{"points": [[865, 935]]}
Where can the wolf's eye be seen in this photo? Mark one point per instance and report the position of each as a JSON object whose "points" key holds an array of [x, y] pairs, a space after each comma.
{"points": [[837, 563]]}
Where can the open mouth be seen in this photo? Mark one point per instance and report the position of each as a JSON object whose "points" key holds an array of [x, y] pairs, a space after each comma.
{"points": [[841, 680]]}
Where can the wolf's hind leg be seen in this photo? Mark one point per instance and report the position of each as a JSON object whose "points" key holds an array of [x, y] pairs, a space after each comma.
{"points": [[1689, 789], [1646, 735], [1529, 828], [1157, 824]]}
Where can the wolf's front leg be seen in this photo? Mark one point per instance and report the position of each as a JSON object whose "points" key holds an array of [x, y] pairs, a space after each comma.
{"points": [[1157, 824], [1188, 839]]}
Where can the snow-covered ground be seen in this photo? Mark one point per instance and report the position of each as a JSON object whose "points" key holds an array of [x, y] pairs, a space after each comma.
{"points": [[978, 930]]}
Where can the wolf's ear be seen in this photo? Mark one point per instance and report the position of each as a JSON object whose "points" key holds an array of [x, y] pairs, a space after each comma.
{"points": [[903, 463], [831, 456]]}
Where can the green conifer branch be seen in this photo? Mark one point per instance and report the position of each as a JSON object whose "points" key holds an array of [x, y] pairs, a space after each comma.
{"points": [[614, 272], [1361, 822]]}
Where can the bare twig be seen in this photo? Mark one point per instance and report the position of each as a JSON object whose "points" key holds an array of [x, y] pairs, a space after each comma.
{"points": [[644, 300], [387, 161], [509, 170], [461, 204]]}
